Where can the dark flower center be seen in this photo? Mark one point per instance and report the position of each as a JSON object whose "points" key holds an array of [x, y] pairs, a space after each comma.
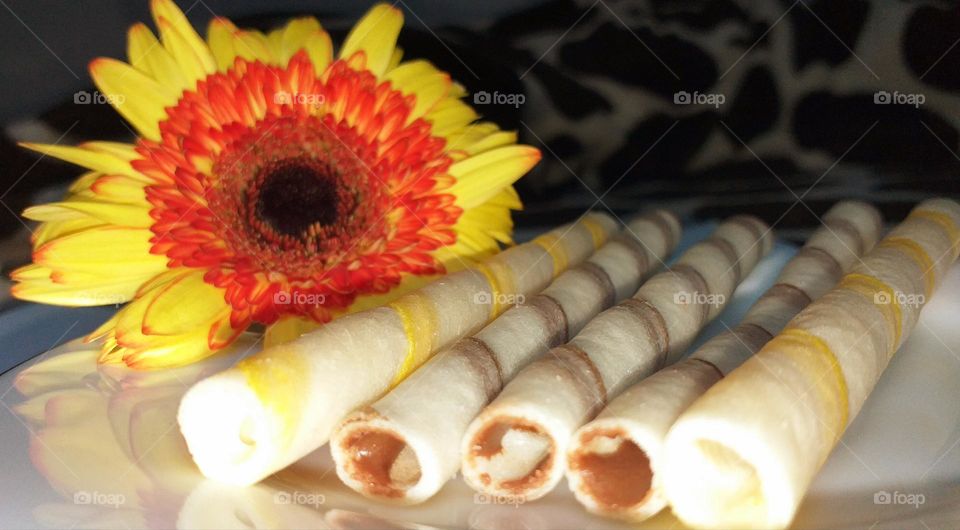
{"points": [[297, 194], [297, 199]]}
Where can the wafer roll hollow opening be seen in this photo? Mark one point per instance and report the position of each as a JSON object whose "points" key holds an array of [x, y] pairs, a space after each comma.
{"points": [[612, 469], [252, 443], [729, 479], [381, 461], [511, 454]]}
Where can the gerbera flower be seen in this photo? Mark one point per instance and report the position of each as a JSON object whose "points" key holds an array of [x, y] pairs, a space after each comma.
{"points": [[271, 182]]}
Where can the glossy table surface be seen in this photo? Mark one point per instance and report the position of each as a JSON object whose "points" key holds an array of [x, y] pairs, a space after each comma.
{"points": [[87, 446]]}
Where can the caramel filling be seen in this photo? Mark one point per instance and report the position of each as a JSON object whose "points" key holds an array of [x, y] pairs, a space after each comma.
{"points": [[384, 464], [513, 454], [613, 469]]}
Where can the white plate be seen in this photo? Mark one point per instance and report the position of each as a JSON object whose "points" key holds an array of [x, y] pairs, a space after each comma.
{"points": [[98, 447]]}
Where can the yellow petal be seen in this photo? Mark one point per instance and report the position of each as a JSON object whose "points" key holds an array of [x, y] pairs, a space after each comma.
{"points": [[81, 186], [181, 40], [482, 176], [105, 251], [116, 214], [395, 58], [129, 324], [49, 231], [86, 156], [320, 50], [195, 63], [492, 141], [181, 304], [481, 229], [139, 346], [252, 46], [450, 115], [220, 36], [286, 329], [104, 291], [121, 189], [375, 35], [146, 54], [424, 81], [31, 271], [294, 36], [179, 350], [137, 97], [119, 150], [275, 42], [478, 138]]}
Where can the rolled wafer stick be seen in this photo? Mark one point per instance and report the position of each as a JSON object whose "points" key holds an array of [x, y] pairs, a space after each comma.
{"points": [[275, 407], [744, 454], [517, 445], [614, 461], [405, 446]]}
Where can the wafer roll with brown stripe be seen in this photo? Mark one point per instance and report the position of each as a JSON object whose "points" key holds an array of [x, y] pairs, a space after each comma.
{"points": [[517, 445], [744, 454], [614, 461], [282, 403], [405, 446]]}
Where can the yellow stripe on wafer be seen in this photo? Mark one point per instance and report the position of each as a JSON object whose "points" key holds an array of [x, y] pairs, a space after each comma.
{"points": [[815, 355], [883, 297], [419, 325], [278, 377], [943, 220], [551, 243], [597, 232], [917, 254], [502, 285]]}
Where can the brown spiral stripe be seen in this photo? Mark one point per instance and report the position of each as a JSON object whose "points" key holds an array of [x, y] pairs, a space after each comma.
{"points": [[654, 326]]}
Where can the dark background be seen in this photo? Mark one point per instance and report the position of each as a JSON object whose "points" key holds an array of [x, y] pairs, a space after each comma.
{"points": [[799, 126]]}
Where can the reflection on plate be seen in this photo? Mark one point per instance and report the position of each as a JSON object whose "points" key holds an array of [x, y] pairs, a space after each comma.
{"points": [[89, 446]]}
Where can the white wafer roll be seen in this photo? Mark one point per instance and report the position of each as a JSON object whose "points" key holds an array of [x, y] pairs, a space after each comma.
{"points": [[517, 445], [744, 454], [405, 446], [278, 405], [614, 461]]}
